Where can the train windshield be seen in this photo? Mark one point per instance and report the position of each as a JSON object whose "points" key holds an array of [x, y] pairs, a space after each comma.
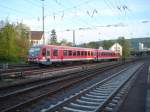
{"points": [[34, 51]]}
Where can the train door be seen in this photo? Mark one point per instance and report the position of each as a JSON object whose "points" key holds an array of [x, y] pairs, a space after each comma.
{"points": [[48, 54], [55, 55], [43, 53], [95, 55]]}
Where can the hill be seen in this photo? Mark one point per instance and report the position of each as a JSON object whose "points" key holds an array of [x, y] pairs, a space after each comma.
{"points": [[134, 42]]}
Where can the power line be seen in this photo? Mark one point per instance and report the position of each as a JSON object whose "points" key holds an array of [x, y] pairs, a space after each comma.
{"points": [[33, 3], [17, 11], [75, 9]]}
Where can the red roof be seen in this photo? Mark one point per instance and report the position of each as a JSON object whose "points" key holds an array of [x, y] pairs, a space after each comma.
{"points": [[36, 35]]}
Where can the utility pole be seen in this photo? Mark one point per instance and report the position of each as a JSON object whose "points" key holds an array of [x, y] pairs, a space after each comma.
{"points": [[73, 35], [43, 22], [74, 38]]}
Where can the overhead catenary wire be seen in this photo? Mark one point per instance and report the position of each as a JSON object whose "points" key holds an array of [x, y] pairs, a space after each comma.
{"points": [[83, 22]]}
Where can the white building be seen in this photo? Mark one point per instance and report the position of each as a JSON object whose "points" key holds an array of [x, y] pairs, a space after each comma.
{"points": [[141, 46], [117, 48], [100, 48], [36, 38]]}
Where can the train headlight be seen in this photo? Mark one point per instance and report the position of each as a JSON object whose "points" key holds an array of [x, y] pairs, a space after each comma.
{"points": [[44, 58]]}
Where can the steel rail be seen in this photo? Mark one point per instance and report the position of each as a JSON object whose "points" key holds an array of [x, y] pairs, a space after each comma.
{"points": [[94, 98], [73, 82]]}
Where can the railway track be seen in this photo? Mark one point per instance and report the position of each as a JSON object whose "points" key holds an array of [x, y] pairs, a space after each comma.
{"points": [[8, 69], [28, 94], [103, 96], [26, 67], [30, 71], [34, 70]]}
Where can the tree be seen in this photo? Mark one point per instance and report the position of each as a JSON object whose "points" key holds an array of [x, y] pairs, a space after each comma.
{"points": [[53, 37], [22, 39], [83, 45], [14, 41], [92, 45], [107, 44], [8, 42], [125, 46], [65, 42]]}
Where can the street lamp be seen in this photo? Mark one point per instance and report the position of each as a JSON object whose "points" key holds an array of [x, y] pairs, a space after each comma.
{"points": [[73, 31]]}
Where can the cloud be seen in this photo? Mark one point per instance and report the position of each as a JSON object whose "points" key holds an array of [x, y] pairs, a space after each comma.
{"points": [[145, 21]]}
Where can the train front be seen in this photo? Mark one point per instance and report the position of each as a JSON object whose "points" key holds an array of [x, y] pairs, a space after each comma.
{"points": [[39, 55], [34, 54]]}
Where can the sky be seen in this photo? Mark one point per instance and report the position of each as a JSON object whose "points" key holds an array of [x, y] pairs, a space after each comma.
{"points": [[92, 20]]}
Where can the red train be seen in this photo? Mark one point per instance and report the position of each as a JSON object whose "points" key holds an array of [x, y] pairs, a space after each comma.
{"points": [[49, 54]]}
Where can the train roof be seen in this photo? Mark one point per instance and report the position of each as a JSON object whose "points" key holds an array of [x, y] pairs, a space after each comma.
{"points": [[72, 47], [61, 46]]}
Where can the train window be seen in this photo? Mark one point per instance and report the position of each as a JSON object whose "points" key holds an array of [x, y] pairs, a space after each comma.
{"points": [[44, 52], [78, 53], [48, 52], [70, 53], [74, 53], [103, 53], [98, 53], [82, 53], [91, 53], [55, 52], [85, 52], [108, 54], [88, 53], [65, 52], [94, 53]]}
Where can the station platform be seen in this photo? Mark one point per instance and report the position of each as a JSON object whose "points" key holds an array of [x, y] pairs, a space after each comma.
{"points": [[138, 99]]}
